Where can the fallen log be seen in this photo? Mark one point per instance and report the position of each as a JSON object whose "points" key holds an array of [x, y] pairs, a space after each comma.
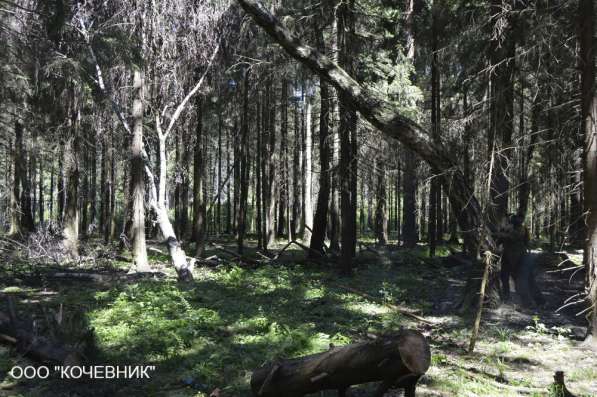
{"points": [[394, 360], [106, 278], [240, 258], [36, 346]]}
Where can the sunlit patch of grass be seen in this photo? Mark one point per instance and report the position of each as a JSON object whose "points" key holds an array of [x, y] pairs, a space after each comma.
{"points": [[503, 334], [580, 374], [367, 308], [13, 290], [150, 321], [457, 382], [236, 318], [502, 348], [439, 359]]}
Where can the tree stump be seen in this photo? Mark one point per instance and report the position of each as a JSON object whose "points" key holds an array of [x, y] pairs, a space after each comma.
{"points": [[397, 360]]}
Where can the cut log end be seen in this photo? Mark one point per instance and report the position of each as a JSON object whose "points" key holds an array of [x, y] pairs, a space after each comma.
{"points": [[414, 351]]}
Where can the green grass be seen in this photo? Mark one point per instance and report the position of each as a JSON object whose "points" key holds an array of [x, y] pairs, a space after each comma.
{"points": [[233, 319]]}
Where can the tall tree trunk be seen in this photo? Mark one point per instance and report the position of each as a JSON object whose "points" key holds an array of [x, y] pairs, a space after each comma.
{"points": [[381, 215], [199, 221], [589, 119], [71, 175], [139, 250], [502, 51], [106, 183], [51, 195], [410, 233], [524, 189], [187, 151], [93, 187], [15, 197], [40, 200], [111, 232], [157, 201], [468, 235], [409, 221], [323, 196], [127, 206], [237, 177], [335, 220], [308, 166], [296, 176], [228, 188], [272, 185], [347, 131], [84, 195], [177, 184], [219, 203], [27, 224], [244, 167], [435, 223], [61, 186], [259, 175], [264, 175], [284, 180], [398, 202], [321, 212]]}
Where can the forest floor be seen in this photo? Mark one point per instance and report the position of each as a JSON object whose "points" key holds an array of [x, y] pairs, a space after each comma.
{"points": [[213, 333]]}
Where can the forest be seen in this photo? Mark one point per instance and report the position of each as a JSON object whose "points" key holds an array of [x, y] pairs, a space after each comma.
{"points": [[287, 198]]}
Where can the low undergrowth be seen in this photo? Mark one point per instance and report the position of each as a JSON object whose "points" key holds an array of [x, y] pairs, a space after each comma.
{"points": [[211, 334]]}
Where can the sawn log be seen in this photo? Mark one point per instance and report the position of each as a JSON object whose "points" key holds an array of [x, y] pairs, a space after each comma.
{"points": [[396, 361]]}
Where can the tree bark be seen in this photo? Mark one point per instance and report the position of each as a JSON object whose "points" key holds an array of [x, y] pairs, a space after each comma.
{"points": [[272, 186], [589, 124], [524, 189], [157, 201], [60, 187], [502, 51], [84, 193], [284, 180], [185, 182], [244, 167], [435, 224], [111, 232], [259, 175], [40, 201], [347, 132], [323, 196], [71, 172], [296, 176], [27, 224], [409, 221], [139, 250], [93, 187], [15, 197], [219, 204], [307, 165], [381, 214], [199, 221]]}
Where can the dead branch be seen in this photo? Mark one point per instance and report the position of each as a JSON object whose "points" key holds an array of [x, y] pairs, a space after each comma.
{"points": [[399, 309]]}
